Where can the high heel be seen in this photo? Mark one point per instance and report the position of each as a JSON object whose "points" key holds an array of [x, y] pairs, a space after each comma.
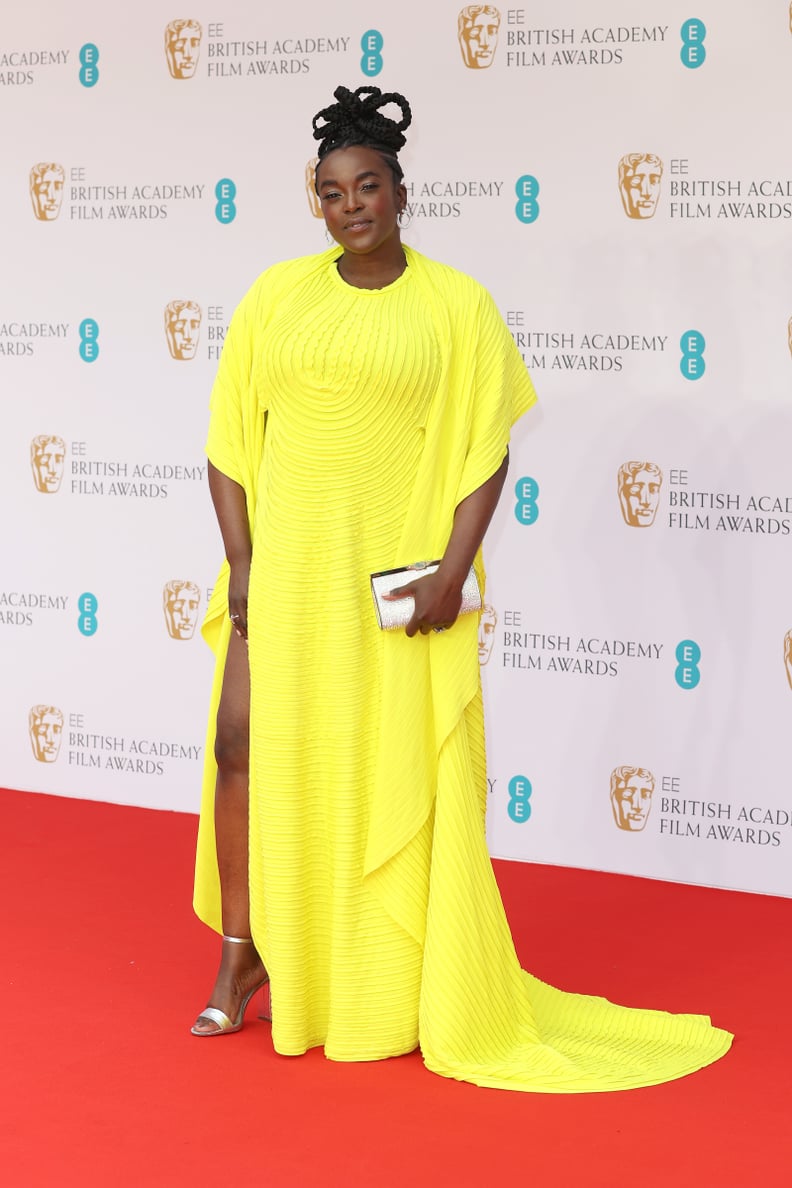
{"points": [[225, 1025]]}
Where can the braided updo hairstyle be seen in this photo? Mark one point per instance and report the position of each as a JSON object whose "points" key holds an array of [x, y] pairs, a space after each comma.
{"points": [[356, 119]]}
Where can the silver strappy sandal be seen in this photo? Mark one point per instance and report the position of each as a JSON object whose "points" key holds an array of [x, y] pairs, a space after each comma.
{"points": [[225, 1025]]}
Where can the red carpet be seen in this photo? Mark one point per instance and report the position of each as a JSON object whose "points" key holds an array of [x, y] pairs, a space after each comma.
{"points": [[104, 969]]}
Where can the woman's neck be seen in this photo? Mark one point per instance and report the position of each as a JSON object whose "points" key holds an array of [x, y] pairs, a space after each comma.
{"points": [[372, 271]]}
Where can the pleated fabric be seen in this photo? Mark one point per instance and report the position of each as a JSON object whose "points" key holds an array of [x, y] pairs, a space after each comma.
{"points": [[357, 420]]}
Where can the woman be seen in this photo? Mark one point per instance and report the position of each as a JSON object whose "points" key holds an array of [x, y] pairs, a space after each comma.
{"points": [[360, 422]]}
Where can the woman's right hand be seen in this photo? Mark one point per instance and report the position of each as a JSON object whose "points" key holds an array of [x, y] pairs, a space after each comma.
{"points": [[238, 582]]}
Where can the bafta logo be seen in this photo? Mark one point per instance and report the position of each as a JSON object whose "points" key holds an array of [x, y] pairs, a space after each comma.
{"points": [[639, 492], [788, 656], [639, 184], [180, 602], [488, 621], [45, 723], [631, 791], [46, 190], [310, 188], [47, 454], [182, 328], [182, 47], [477, 30]]}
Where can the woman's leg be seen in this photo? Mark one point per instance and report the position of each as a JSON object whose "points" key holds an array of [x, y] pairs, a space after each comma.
{"points": [[240, 965]]}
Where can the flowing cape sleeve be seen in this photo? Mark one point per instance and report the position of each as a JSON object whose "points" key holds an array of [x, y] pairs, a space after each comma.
{"points": [[236, 428]]}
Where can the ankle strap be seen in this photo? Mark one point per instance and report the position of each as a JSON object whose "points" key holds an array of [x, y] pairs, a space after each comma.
{"points": [[239, 940]]}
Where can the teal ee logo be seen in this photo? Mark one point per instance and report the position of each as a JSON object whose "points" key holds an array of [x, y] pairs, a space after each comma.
{"points": [[89, 71], [527, 208], [526, 508], [692, 364], [87, 623], [89, 340], [371, 43], [693, 53], [225, 193], [519, 808], [688, 655]]}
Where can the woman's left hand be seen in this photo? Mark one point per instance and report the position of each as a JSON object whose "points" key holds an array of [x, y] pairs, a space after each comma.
{"points": [[437, 602]]}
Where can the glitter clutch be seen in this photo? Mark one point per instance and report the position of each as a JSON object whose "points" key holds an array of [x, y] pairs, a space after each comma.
{"points": [[393, 615]]}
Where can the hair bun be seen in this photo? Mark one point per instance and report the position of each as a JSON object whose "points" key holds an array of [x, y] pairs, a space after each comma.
{"points": [[356, 119]]}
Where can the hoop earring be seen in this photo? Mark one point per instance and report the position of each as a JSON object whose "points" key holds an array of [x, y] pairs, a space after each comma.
{"points": [[403, 221]]}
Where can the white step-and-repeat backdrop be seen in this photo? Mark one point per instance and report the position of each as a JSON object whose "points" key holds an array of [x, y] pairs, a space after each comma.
{"points": [[617, 173]]}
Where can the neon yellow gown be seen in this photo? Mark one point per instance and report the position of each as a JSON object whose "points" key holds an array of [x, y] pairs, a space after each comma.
{"points": [[357, 420]]}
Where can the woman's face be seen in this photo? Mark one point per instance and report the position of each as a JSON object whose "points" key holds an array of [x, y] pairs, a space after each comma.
{"points": [[359, 198]]}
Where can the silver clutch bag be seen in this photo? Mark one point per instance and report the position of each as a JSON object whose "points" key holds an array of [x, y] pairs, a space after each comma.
{"points": [[392, 615]]}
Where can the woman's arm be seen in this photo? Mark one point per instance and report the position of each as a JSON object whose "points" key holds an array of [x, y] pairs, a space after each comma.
{"points": [[438, 596], [230, 506]]}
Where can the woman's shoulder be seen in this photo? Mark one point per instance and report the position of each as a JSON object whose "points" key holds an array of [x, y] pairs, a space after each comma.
{"points": [[458, 292], [286, 273], [450, 280], [274, 282]]}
